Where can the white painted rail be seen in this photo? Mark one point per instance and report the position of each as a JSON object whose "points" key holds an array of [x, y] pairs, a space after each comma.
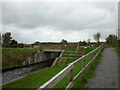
{"points": [[55, 80]]}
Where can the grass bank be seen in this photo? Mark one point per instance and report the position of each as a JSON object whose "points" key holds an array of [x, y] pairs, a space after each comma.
{"points": [[15, 56], [78, 83], [118, 50], [74, 49], [38, 78], [89, 73], [89, 49]]}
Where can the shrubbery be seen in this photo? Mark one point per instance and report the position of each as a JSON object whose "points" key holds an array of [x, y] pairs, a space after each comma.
{"points": [[14, 46]]}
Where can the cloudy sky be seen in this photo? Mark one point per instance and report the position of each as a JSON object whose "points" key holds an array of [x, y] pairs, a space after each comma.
{"points": [[52, 21]]}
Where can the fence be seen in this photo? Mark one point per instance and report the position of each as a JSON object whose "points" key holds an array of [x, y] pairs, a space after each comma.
{"points": [[68, 70]]}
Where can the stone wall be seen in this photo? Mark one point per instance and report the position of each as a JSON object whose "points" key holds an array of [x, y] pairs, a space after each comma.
{"points": [[40, 56]]}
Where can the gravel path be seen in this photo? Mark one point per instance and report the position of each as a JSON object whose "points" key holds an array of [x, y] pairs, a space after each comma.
{"points": [[106, 72]]}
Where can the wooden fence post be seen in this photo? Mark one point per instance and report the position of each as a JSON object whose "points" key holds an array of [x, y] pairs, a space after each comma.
{"points": [[91, 56], [84, 62], [70, 79], [98, 51]]}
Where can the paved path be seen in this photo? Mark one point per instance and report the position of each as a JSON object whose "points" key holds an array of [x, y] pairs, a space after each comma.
{"points": [[106, 72]]}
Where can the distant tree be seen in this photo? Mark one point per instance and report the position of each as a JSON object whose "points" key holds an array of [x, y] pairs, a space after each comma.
{"points": [[20, 45], [37, 42], [6, 38], [88, 41], [0, 38], [63, 41], [97, 37], [82, 43], [13, 42], [111, 39], [119, 42]]}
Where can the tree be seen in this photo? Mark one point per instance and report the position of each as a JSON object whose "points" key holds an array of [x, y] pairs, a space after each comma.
{"points": [[111, 39], [63, 41], [88, 41], [0, 38], [6, 38], [13, 42], [82, 43], [37, 42], [97, 37]]}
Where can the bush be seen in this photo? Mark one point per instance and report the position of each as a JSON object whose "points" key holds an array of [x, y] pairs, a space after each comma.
{"points": [[13, 45]]}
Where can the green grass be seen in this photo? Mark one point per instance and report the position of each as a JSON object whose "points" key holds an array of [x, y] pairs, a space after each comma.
{"points": [[89, 73], [69, 53], [70, 50], [68, 56], [15, 56], [89, 49], [70, 60], [80, 83], [38, 78], [109, 46], [63, 83], [113, 83], [118, 50]]}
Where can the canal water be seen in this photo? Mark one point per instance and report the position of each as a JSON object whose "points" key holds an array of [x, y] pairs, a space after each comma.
{"points": [[11, 75]]}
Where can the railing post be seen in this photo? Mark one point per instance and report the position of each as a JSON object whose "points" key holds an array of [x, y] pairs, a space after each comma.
{"points": [[94, 54], [91, 56], [70, 78], [98, 51], [83, 62], [98, 54]]}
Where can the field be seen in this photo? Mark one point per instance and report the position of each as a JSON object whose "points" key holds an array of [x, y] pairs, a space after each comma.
{"points": [[15, 56], [40, 77]]}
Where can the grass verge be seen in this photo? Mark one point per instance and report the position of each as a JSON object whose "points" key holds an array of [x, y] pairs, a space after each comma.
{"points": [[118, 50], [36, 79], [63, 83], [15, 56], [74, 49], [89, 49], [40, 77], [89, 73]]}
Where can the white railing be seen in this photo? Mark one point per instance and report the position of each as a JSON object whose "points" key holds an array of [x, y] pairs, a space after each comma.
{"points": [[68, 70]]}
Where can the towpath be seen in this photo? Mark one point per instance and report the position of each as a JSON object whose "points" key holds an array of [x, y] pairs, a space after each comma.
{"points": [[106, 74]]}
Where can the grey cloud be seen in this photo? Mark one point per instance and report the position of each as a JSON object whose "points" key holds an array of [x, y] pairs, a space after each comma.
{"points": [[69, 17], [60, 18]]}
